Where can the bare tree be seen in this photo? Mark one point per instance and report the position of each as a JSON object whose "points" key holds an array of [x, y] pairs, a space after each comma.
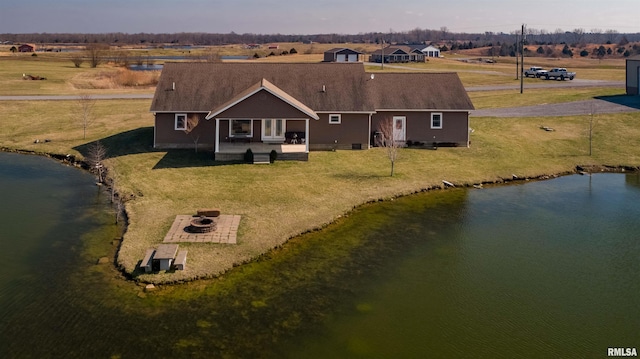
{"points": [[86, 103], [388, 140], [212, 55], [192, 121], [96, 53], [96, 154], [77, 60], [444, 30]]}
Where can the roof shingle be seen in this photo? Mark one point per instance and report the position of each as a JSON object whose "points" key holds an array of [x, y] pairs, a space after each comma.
{"points": [[344, 87]]}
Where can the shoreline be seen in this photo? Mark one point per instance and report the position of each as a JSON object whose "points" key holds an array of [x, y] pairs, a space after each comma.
{"points": [[118, 204]]}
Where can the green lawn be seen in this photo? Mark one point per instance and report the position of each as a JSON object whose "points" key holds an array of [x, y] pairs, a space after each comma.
{"points": [[281, 200]]}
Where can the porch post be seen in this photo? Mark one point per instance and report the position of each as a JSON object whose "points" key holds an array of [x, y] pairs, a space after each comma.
{"points": [[306, 134], [217, 141]]}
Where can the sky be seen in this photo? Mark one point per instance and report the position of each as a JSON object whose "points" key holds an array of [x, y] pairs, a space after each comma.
{"points": [[315, 17]]}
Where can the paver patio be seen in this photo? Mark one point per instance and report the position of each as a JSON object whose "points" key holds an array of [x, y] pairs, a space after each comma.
{"points": [[226, 231]]}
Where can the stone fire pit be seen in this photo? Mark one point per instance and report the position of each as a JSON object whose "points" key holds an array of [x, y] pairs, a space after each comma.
{"points": [[201, 224]]}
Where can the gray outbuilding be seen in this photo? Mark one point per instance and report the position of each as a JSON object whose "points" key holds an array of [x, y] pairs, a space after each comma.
{"points": [[633, 75]]}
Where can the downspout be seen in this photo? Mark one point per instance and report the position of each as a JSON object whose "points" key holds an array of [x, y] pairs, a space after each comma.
{"points": [[468, 129], [306, 134], [155, 125], [217, 141], [369, 133]]}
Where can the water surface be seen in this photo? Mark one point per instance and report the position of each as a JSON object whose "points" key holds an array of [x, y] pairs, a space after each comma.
{"points": [[544, 269]]}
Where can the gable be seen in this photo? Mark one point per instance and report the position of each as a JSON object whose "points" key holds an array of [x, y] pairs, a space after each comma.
{"points": [[263, 100]]}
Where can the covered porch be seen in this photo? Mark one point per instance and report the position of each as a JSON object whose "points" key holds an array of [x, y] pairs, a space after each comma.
{"points": [[234, 151], [288, 137], [263, 118]]}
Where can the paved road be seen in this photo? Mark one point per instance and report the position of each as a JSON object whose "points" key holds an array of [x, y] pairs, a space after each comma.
{"points": [[614, 104]]}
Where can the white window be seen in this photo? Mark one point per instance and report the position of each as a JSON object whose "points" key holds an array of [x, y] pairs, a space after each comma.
{"points": [[436, 120], [241, 128], [181, 122], [335, 119]]}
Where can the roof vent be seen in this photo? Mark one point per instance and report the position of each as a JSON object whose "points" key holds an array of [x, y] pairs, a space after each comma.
{"points": [[373, 76], [324, 88], [173, 87]]}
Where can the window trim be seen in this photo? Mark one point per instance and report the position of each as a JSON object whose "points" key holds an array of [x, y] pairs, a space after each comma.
{"points": [[176, 119], [250, 134], [439, 114], [339, 116]]}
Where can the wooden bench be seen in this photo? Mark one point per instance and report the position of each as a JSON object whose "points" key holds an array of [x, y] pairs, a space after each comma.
{"points": [[181, 260], [208, 212], [147, 262]]}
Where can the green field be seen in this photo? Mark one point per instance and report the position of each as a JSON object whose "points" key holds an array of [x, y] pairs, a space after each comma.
{"points": [[284, 199]]}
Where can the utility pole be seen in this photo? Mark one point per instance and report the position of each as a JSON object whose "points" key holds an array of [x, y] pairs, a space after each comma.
{"points": [[382, 52], [522, 60], [517, 58]]}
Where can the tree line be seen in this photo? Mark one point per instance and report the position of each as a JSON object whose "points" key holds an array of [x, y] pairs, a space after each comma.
{"points": [[416, 36]]}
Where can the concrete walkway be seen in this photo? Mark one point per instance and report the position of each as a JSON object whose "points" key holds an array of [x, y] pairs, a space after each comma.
{"points": [[226, 231]]}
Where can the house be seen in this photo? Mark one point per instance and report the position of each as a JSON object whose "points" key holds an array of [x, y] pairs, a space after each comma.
{"points": [[294, 108], [392, 54], [339, 54], [431, 51], [633, 75], [428, 51], [26, 48]]}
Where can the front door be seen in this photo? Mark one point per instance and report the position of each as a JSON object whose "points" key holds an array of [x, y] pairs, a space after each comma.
{"points": [[273, 129], [399, 128]]}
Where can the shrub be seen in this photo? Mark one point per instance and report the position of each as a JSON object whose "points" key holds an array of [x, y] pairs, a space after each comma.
{"points": [[584, 53], [293, 51], [273, 155], [256, 56], [248, 156]]}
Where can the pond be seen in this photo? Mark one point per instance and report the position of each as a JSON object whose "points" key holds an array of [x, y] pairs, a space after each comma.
{"points": [[543, 269]]}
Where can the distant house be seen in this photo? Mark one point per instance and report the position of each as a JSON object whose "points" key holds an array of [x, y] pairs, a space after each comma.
{"points": [[633, 75], [431, 51], [428, 51], [341, 55], [294, 108], [26, 48], [393, 54], [273, 47]]}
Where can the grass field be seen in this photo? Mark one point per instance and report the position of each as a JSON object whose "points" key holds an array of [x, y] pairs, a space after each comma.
{"points": [[158, 185]]}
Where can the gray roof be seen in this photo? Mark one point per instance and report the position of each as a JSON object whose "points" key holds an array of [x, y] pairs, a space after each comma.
{"points": [[419, 91], [345, 50], [397, 50], [203, 87]]}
